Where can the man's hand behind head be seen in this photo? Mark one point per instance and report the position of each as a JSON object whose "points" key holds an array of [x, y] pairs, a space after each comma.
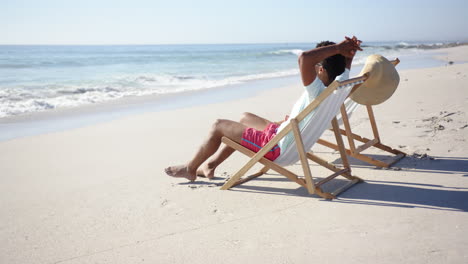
{"points": [[349, 46]]}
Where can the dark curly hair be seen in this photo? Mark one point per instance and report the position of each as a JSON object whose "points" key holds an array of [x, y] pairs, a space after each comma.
{"points": [[335, 65]]}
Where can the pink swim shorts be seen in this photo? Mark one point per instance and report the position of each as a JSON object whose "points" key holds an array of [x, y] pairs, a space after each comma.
{"points": [[255, 139]]}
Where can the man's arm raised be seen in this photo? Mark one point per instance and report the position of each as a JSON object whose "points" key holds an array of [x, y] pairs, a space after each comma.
{"points": [[349, 60], [308, 59]]}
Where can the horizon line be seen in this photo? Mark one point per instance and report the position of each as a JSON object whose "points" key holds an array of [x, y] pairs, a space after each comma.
{"points": [[221, 43]]}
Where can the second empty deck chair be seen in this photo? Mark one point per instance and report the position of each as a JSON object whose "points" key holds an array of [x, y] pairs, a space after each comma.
{"points": [[357, 151], [321, 112]]}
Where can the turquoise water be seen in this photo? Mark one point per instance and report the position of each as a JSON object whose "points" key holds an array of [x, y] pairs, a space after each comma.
{"points": [[38, 78]]}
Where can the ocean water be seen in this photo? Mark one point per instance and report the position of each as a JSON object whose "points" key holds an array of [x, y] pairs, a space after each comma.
{"points": [[39, 78]]}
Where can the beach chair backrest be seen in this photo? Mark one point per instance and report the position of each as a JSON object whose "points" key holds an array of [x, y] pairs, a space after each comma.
{"points": [[316, 123]]}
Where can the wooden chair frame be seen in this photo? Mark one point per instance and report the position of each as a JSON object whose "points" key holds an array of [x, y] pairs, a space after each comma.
{"points": [[307, 182], [356, 152]]}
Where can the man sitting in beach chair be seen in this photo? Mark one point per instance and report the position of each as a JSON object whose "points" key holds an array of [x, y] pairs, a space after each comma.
{"points": [[319, 67]]}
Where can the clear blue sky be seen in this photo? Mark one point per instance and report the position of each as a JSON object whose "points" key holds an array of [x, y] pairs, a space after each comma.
{"points": [[234, 21]]}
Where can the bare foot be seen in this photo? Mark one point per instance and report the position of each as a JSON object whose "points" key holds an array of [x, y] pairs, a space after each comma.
{"points": [[206, 171], [180, 171]]}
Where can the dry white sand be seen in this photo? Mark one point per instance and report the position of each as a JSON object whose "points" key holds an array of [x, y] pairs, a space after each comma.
{"points": [[98, 194]]}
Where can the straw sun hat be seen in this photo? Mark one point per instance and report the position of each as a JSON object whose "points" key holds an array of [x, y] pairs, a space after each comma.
{"points": [[381, 84]]}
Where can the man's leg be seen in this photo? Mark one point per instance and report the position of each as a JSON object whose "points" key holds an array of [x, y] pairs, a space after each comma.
{"points": [[255, 121], [228, 128], [248, 120]]}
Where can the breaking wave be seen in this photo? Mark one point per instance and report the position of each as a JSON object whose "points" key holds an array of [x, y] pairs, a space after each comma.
{"points": [[20, 100]]}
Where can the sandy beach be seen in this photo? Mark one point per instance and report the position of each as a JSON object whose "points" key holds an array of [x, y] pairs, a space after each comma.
{"points": [[99, 194]]}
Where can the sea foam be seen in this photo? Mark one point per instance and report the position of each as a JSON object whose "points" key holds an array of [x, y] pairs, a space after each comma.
{"points": [[38, 78], [19, 100]]}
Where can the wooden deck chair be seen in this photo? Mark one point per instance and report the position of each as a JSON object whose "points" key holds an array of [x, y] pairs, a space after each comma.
{"points": [[356, 151], [319, 114]]}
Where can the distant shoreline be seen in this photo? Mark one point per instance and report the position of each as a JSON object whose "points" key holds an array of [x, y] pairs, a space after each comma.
{"points": [[35, 123], [43, 78], [444, 44]]}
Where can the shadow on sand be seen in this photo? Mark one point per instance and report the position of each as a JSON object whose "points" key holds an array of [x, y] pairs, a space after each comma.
{"points": [[387, 193], [445, 165]]}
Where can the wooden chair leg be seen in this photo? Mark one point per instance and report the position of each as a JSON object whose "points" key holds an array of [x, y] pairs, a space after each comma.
{"points": [[344, 117], [267, 166], [365, 158], [302, 156], [340, 143], [372, 121], [264, 170], [249, 178]]}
